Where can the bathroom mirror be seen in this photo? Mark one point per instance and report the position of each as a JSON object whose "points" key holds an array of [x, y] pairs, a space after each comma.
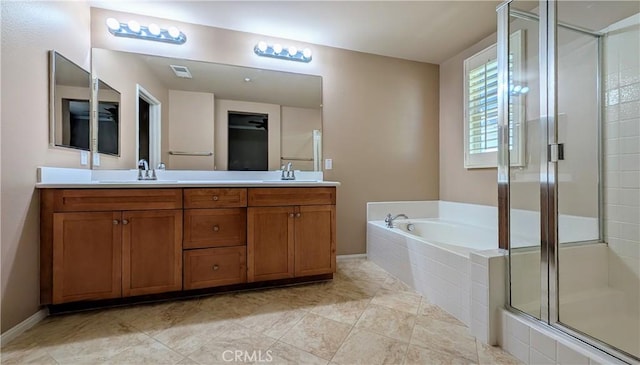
{"points": [[185, 113], [108, 119], [69, 94]]}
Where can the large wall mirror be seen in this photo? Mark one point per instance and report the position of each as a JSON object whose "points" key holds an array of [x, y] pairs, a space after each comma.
{"points": [[69, 94], [205, 116]]}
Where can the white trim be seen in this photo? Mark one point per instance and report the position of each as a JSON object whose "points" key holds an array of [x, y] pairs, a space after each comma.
{"points": [[155, 126], [352, 257], [23, 326]]}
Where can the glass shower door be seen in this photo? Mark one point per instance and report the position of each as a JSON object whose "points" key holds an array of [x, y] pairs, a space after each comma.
{"points": [[525, 133]]}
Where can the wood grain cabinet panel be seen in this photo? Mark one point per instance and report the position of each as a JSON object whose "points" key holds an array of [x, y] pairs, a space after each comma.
{"points": [[214, 227], [273, 197], [315, 243], [91, 200], [270, 235], [87, 255], [210, 267], [215, 198], [152, 252]]}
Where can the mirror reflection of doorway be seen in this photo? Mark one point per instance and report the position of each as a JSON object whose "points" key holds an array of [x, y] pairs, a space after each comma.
{"points": [[149, 125], [143, 129], [248, 141]]}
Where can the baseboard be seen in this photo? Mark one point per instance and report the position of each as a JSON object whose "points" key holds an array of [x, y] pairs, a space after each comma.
{"points": [[21, 327], [352, 257]]}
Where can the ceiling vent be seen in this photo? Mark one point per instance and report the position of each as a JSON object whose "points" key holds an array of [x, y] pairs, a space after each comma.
{"points": [[181, 71]]}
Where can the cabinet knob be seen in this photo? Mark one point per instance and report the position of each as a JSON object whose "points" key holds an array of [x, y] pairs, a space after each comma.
{"points": [[215, 267], [298, 215], [291, 215], [116, 222], [216, 228], [125, 221], [214, 198]]}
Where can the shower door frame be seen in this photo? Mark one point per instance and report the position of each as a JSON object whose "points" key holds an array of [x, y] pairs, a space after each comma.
{"points": [[549, 242]]}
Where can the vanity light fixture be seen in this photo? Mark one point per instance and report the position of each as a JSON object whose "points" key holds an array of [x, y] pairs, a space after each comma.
{"points": [[152, 32], [278, 51]]}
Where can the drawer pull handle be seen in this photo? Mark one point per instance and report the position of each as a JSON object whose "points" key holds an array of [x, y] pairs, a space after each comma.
{"points": [[216, 228], [298, 215], [215, 198], [116, 222], [124, 221], [215, 267], [291, 215]]}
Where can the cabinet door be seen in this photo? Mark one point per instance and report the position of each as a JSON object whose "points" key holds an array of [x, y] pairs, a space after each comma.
{"points": [[315, 245], [152, 252], [270, 234], [86, 256]]}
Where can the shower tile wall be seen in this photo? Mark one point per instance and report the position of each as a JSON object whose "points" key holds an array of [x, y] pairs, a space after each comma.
{"points": [[622, 156]]}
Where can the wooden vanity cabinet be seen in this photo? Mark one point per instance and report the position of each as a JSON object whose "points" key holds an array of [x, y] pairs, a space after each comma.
{"points": [[215, 237], [99, 243], [291, 233]]}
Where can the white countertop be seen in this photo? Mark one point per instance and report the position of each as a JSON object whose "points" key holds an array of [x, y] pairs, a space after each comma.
{"points": [[54, 177]]}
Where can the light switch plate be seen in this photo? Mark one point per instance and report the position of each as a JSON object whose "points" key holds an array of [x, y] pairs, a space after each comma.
{"points": [[96, 159], [84, 158], [328, 163]]}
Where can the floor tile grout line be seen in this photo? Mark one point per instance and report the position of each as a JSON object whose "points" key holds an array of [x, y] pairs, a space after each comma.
{"points": [[353, 327]]}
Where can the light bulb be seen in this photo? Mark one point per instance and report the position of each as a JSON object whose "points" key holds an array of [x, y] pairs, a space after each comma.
{"points": [[154, 29], [174, 32], [277, 48], [524, 90], [306, 53], [113, 24], [293, 51], [517, 88], [134, 26], [262, 46]]}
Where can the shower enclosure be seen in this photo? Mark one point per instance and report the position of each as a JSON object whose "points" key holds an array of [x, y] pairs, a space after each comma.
{"points": [[569, 202]]}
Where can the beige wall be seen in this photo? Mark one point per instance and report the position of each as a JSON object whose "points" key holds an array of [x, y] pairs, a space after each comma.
{"points": [[29, 31], [191, 120], [297, 134], [477, 186], [380, 115], [108, 66]]}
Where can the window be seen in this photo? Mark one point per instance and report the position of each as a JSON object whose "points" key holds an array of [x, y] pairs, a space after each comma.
{"points": [[481, 106]]}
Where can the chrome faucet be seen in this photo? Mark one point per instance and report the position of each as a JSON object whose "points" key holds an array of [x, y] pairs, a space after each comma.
{"points": [[288, 174], [389, 219], [143, 165]]}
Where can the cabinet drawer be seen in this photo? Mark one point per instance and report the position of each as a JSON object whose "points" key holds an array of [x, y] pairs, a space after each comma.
{"points": [[86, 200], [270, 197], [214, 227], [211, 267], [215, 198]]}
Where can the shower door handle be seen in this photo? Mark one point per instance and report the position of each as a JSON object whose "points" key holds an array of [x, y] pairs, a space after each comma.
{"points": [[555, 152]]}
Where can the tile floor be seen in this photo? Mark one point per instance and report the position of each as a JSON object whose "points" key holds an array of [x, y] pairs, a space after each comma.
{"points": [[363, 316]]}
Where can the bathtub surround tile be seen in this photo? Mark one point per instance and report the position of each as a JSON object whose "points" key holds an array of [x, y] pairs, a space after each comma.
{"points": [[364, 347], [567, 356], [543, 344]]}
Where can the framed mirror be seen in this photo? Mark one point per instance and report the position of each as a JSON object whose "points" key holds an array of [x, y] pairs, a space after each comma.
{"points": [[108, 128], [69, 110], [205, 116]]}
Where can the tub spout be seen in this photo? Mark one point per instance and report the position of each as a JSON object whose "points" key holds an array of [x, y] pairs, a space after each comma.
{"points": [[389, 219]]}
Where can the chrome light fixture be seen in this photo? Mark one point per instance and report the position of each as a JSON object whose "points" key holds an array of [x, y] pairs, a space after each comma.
{"points": [[286, 53], [152, 32]]}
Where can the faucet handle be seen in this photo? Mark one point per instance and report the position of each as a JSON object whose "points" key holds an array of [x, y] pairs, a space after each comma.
{"points": [[387, 218]]}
